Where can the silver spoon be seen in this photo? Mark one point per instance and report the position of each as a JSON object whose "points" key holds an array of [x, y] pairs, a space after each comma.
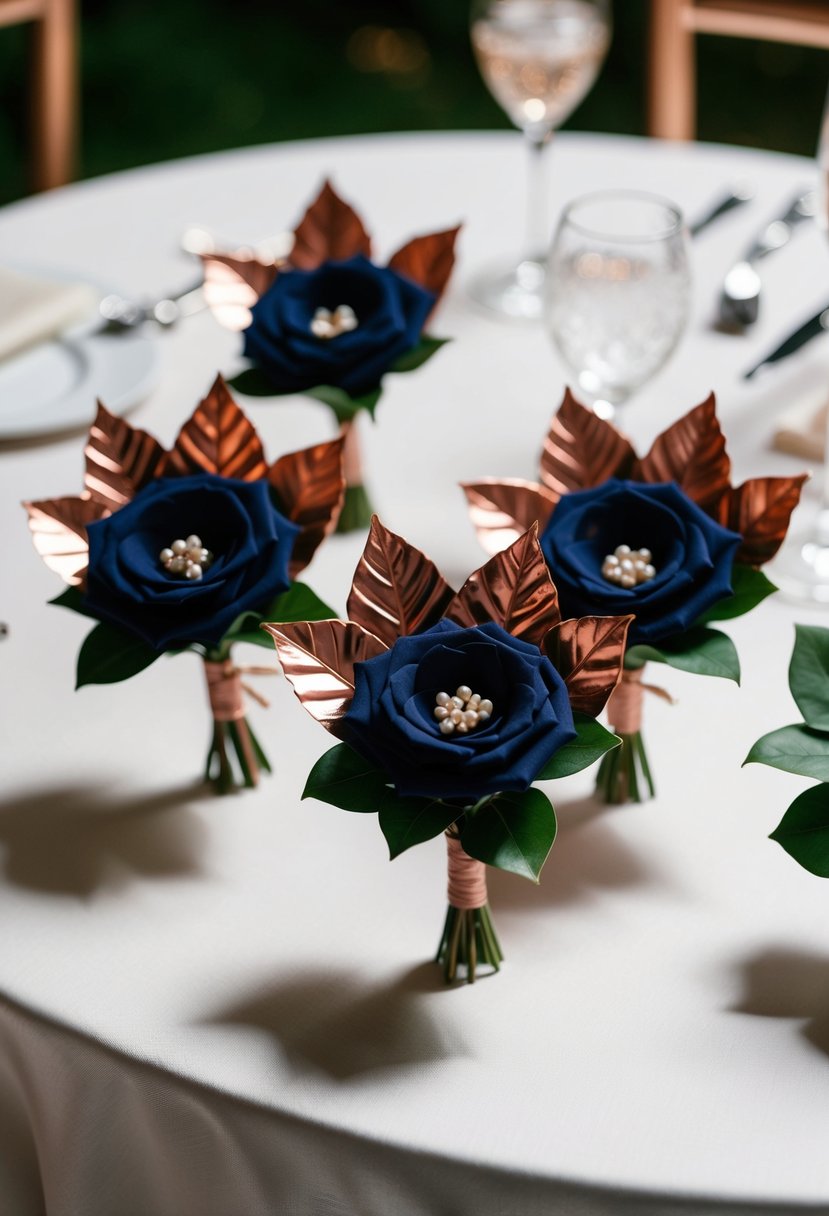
{"points": [[739, 304]]}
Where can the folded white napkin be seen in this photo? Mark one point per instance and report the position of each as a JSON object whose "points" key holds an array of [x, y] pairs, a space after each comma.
{"points": [[801, 429], [33, 309]]}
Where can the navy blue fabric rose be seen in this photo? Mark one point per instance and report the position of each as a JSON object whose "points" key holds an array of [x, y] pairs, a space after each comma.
{"points": [[691, 555], [391, 721], [250, 540], [390, 311]]}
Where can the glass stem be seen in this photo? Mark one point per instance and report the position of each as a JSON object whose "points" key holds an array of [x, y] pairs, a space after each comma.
{"points": [[537, 217]]}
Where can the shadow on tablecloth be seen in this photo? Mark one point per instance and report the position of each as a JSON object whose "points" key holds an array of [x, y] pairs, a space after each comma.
{"points": [[781, 982]]}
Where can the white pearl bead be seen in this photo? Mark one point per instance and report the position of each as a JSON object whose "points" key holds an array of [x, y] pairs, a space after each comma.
{"points": [[322, 314], [623, 550], [485, 707], [441, 712], [628, 580], [456, 715], [447, 726], [205, 557], [166, 555], [193, 541], [457, 702], [648, 573], [470, 717], [611, 560], [484, 715], [193, 571], [177, 565], [626, 565], [464, 692], [179, 547], [474, 701], [645, 555], [345, 313], [461, 728], [443, 698]]}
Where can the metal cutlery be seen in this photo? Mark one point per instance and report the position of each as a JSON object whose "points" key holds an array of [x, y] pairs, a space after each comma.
{"points": [[739, 194], [818, 324], [119, 315], [739, 304]]}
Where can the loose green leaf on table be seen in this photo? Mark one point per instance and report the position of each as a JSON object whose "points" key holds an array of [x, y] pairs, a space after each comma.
{"points": [[701, 651], [591, 742], [804, 830], [419, 354], [514, 832], [794, 749], [750, 587], [408, 821], [809, 674], [341, 777], [109, 654]]}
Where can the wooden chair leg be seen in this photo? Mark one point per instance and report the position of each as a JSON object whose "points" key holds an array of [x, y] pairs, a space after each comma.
{"points": [[55, 94], [672, 72]]}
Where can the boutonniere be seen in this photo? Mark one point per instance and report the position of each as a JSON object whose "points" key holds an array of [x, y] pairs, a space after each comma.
{"points": [[190, 549], [450, 707], [664, 537], [329, 320]]}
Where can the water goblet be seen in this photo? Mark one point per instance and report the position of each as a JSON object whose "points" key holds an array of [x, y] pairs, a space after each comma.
{"points": [[618, 291]]}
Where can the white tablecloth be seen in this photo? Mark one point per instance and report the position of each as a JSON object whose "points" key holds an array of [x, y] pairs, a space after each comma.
{"points": [[224, 1006]]}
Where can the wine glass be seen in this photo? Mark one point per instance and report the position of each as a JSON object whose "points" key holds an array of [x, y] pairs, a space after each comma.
{"points": [[538, 58], [618, 291], [801, 569]]}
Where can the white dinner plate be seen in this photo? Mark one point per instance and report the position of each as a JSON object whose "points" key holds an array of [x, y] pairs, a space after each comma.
{"points": [[53, 386]]}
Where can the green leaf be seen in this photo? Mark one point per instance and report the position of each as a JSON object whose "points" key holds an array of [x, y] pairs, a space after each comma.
{"points": [[809, 674], [253, 383], [341, 777], [794, 749], [298, 603], [702, 651], [512, 832], [419, 354], [72, 599], [590, 744], [109, 654], [408, 821], [804, 830], [750, 588], [344, 406]]}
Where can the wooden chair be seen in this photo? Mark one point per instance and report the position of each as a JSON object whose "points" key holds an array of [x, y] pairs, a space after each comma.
{"points": [[675, 25], [54, 85]]}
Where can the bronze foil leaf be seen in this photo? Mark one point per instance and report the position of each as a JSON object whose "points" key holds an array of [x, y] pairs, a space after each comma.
{"points": [[588, 653], [329, 229], [514, 589], [218, 438], [428, 260], [396, 590], [582, 450], [232, 285], [760, 509], [501, 511], [58, 527], [120, 459], [318, 658], [692, 453], [309, 487]]}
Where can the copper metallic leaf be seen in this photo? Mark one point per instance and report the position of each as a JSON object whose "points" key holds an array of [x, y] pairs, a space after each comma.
{"points": [[428, 259], [318, 658], [582, 450], [589, 653], [232, 285], [514, 589], [692, 453], [310, 487], [396, 590], [58, 527], [218, 438], [760, 509], [501, 511], [120, 459], [330, 229]]}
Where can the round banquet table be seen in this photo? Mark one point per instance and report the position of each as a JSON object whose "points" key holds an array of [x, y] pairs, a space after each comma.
{"points": [[222, 1006]]}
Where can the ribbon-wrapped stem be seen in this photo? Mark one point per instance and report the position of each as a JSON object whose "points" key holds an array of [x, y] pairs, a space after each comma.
{"points": [[235, 757], [624, 773], [357, 509], [468, 939]]}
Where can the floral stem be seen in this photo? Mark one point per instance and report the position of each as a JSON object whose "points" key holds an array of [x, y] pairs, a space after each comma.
{"points": [[624, 773], [468, 940], [357, 509]]}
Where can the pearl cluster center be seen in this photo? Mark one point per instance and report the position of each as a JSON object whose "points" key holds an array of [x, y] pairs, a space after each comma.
{"points": [[326, 324], [186, 558], [628, 567], [462, 712]]}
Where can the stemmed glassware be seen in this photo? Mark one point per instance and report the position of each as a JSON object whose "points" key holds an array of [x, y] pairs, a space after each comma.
{"points": [[617, 291], [802, 567], [538, 58]]}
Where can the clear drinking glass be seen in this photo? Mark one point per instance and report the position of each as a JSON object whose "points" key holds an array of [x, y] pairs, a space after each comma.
{"points": [[618, 291], [801, 569], [538, 58]]}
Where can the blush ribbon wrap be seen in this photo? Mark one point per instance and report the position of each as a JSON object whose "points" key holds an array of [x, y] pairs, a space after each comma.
{"points": [[466, 878]]}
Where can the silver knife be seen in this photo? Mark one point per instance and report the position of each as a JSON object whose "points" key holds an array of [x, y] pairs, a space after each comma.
{"points": [[818, 324]]}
